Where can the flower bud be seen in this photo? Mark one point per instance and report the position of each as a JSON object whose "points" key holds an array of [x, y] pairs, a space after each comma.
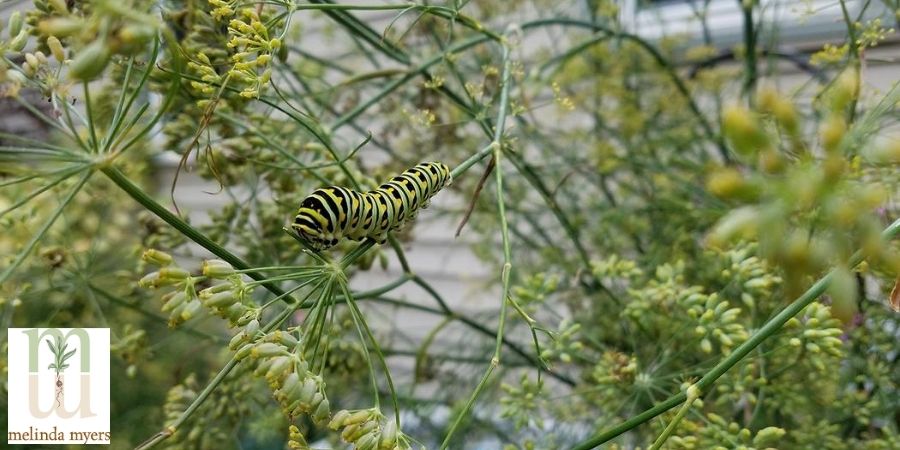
{"points": [[728, 183], [175, 274], [59, 6], [743, 130], [833, 167], [16, 76], [322, 411], [358, 417], [314, 402], [215, 289], [389, 434], [308, 391], [216, 268], [176, 300], [730, 315], [150, 255], [845, 89], [364, 429], [349, 430], [766, 98], [280, 366], [243, 352], [782, 109], [19, 42], [725, 339], [249, 316], [32, 60], [885, 153], [367, 442], [234, 312], [220, 300], [56, 49], [252, 327], [136, 35], [748, 300], [191, 309], [237, 340], [843, 291], [831, 132], [60, 26], [285, 338], [739, 223], [266, 349], [339, 419], [291, 385], [294, 432], [771, 161], [296, 439], [15, 23], [786, 115], [175, 318], [151, 280], [90, 61], [768, 436]]}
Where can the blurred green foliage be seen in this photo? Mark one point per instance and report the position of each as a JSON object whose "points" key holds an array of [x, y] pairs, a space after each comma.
{"points": [[664, 201]]}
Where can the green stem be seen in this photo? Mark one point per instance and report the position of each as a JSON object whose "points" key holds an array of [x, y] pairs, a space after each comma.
{"points": [[361, 321], [364, 32], [497, 146], [392, 86], [692, 394], [185, 229], [767, 330], [422, 352], [377, 292], [90, 119], [854, 58], [470, 161], [749, 48]]}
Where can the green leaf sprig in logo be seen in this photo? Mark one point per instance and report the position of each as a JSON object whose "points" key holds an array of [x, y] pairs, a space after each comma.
{"points": [[60, 355]]}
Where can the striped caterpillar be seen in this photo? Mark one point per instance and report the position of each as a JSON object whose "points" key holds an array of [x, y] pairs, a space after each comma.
{"points": [[331, 213]]}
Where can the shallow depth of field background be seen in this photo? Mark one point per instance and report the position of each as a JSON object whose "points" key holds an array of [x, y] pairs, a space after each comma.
{"points": [[616, 192]]}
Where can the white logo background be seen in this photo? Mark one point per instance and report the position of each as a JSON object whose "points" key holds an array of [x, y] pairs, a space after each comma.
{"points": [[83, 420]]}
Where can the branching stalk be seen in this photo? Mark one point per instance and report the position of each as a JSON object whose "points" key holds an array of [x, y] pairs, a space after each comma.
{"points": [[497, 146]]}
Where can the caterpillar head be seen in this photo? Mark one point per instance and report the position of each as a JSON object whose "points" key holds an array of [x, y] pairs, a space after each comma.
{"points": [[307, 228], [311, 223]]}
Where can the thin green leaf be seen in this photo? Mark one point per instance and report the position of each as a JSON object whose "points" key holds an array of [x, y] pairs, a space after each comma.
{"points": [[31, 195], [20, 258]]}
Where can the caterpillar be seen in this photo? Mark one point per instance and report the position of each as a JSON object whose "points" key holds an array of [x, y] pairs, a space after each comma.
{"points": [[334, 212]]}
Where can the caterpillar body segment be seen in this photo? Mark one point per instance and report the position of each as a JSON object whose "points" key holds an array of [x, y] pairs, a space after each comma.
{"points": [[332, 213]]}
